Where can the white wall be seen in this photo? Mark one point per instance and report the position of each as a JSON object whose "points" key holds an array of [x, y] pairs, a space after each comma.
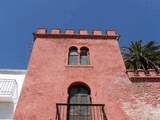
{"points": [[7, 108]]}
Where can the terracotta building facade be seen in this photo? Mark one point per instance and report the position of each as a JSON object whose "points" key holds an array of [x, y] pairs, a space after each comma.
{"points": [[82, 76]]}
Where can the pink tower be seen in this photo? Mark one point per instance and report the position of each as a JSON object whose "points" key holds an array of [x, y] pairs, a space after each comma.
{"points": [[70, 77]]}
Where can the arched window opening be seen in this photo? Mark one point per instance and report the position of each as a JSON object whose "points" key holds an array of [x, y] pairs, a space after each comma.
{"points": [[73, 56], [79, 94], [84, 56], [79, 100]]}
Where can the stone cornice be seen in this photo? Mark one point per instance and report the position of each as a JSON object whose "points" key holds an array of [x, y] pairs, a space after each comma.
{"points": [[141, 75], [70, 33]]}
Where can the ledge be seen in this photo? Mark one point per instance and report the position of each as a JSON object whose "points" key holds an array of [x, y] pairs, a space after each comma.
{"points": [[142, 76], [13, 71], [70, 33], [145, 79], [80, 66]]}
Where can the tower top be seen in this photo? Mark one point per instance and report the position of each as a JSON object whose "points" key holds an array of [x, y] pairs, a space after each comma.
{"points": [[71, 33]]}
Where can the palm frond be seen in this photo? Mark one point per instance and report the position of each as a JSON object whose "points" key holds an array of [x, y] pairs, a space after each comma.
{"points": [[141, 56]]}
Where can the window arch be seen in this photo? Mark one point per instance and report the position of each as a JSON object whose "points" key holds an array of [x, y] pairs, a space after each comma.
{"points": [[84, 56], [73, 56], [79, 90]]}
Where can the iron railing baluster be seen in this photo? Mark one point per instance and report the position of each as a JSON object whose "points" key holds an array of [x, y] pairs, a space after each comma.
{"points": [[80, 112]]}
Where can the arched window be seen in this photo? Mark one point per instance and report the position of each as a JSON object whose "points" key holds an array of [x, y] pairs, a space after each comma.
{"points": [[79, 100], [84, 56], [73, 56], [79, 94]]}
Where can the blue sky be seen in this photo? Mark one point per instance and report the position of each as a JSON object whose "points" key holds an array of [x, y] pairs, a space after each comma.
{"points": [[133, 19]]}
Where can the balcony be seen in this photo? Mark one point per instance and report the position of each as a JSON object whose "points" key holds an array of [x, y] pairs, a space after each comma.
{"points": [[80, 112], [8, 90]]}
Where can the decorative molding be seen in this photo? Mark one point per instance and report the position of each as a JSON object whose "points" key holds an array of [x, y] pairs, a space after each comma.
{"points": [[71, 33], [13, 71], [144, 76]]}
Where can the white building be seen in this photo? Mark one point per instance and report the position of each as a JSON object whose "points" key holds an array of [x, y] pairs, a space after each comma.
{"points": [[11, 81]]}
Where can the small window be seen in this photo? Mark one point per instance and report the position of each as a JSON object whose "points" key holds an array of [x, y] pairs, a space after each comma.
{"points": [[73, 56], [84, 56]]}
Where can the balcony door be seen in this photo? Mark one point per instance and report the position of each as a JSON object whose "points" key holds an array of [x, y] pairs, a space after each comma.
{"points": [[79, 103]]}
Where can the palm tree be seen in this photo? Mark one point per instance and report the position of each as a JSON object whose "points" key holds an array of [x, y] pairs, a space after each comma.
{"points": [[142, 56]]}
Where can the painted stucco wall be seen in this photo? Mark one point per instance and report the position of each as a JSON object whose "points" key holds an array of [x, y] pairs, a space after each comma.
{"points": [[49, 77], [141, 99]]}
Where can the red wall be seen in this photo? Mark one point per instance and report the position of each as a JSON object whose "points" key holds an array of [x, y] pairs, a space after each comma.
{"points": [[49, 77]]}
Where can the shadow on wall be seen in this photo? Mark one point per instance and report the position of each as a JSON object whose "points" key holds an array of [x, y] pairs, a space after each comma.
{"points": [[6, 110]]}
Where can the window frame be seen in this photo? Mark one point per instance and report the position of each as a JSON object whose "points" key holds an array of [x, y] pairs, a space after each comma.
{"points": [[78, 94], [70, 56], [84, 50], [79, 57]]}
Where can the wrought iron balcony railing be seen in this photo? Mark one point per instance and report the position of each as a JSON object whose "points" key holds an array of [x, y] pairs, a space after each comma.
{"points": [[80, 112], [8, 90]]}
